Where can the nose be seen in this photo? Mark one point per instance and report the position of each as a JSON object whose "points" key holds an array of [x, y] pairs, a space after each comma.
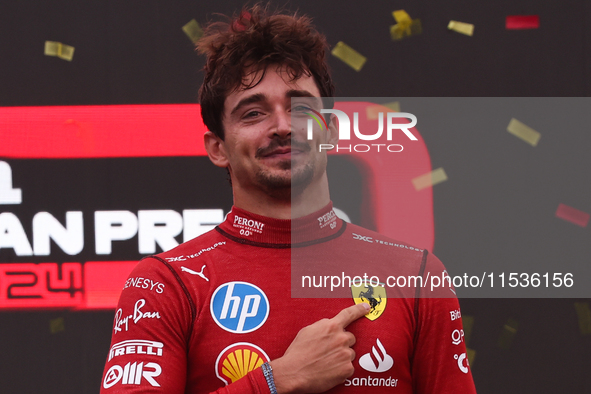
{"points": [[281, 124]]}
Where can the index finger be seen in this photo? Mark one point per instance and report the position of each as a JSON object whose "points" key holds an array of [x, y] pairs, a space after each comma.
{"points": [[350, 314]]}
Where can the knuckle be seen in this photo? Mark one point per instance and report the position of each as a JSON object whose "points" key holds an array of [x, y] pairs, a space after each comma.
{"points": [[303, 331], [343, 339], [349, 370], [352, 339], [345, 355], [349, 313], [331, 325]]}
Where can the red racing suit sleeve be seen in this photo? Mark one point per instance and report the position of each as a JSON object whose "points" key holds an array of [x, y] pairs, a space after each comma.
{"points": [[440, 362], [151, 333]]}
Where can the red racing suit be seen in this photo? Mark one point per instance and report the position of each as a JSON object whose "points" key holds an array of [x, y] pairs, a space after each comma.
{"points": [[204, 316]]}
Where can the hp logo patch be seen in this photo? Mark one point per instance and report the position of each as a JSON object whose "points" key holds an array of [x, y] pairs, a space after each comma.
{"points": [[239, 307]]}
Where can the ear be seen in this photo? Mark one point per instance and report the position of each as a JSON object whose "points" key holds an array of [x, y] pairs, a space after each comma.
{"points": [[333, 130], [216, 149]]}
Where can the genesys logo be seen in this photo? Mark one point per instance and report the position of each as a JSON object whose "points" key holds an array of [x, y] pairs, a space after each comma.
{"points": [[235, 361], [138, 314], [136, 346], [239, 307], [376, 361], [132, 373], [145, 283]]}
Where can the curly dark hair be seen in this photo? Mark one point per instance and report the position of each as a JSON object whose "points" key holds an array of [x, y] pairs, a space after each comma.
{"points": [[253, 40]]}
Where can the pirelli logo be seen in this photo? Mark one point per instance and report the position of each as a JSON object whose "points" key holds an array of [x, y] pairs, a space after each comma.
{"points": [[136, 346]]}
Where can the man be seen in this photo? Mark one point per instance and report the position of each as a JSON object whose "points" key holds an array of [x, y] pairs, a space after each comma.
{"points": [[215, 314]]}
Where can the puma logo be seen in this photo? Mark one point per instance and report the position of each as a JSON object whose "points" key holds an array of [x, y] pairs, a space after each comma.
{"points": [[195, 272]]}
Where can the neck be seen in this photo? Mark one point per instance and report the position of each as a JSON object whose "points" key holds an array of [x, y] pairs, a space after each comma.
{"points": [[249, 228], [286, 204]]}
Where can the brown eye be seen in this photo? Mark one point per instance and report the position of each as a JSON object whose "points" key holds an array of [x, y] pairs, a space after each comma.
{"points": [[300, 108], [252, 114]]}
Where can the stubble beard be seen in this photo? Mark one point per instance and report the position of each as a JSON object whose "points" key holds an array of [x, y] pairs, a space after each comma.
{"points": [[290, 184]]}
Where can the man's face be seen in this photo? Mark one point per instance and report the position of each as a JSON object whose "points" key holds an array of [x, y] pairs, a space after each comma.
{"points": [[262, 149]]}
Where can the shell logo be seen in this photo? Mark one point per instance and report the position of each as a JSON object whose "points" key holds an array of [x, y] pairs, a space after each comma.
{"points": [[237, 360]]}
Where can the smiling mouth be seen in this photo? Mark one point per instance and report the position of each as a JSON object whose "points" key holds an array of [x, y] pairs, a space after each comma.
{"points": [[280, 153], [275, 150]]}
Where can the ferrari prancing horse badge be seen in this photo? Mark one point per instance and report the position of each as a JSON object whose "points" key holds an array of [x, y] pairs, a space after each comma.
{"points": [[375, 296]]}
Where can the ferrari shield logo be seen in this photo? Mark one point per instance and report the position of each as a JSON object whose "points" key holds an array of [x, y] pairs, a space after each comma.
{"points": [[375, 296]]}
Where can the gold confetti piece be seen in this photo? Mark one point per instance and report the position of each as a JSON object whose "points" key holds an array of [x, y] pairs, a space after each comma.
{"points": [[524, 132], [471, 356], [468, 322], [405, 27], [394, 106], [429, 179], [508, 333], [584, 314], [56, 325], [401, 30], [373, 111], [193, 30], [349, 55], [51, 48], [397, 32], [57, 49], [461, 27], [416, 27], [401, 16]]}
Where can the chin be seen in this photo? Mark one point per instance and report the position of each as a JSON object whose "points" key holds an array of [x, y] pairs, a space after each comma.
{"points": [[286, 180]]}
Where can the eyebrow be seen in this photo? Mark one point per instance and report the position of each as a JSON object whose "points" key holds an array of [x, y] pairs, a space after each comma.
{"points": [[303, 93], [259, 97], [255, 98]]}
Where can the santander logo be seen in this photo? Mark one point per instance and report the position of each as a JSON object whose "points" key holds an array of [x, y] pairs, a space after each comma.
{"points": [[380, 362]]}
